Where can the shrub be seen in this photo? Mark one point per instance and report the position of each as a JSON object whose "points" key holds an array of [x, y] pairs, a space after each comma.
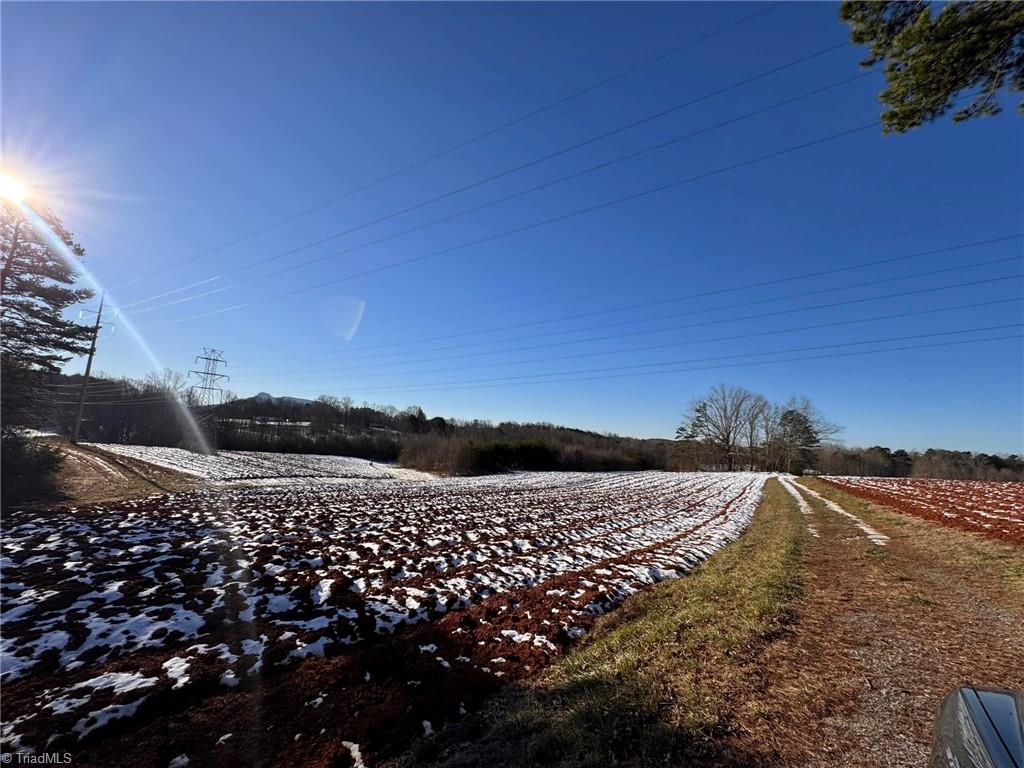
{"points": [[468, 456], [29, 469]]}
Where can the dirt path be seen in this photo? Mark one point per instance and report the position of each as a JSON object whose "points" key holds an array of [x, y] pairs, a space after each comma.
{"points": [[89, 476], [895, 612]]}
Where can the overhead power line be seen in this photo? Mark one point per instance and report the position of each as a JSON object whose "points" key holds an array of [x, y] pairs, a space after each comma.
{"points": [[528, 164], [169, 293], [346, 366], [543, 298], [587, 142], [135, 401], [561, 217], [128, 389], [572, 214], [184, 300], [95, 383], [535, 378], [747, 363], [569, 215], [472, 140], [559, 180], [348, 376], [362, 354], [712, 322]]}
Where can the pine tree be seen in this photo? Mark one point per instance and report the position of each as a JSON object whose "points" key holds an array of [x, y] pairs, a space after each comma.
{"points": [[931, 59], [36, 287], [800, 439]]}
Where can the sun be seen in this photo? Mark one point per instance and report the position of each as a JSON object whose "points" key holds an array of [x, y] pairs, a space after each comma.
{"points": [[11, 189]]}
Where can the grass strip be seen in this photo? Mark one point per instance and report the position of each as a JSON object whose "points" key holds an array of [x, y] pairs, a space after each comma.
{"points": [[661, 679]]}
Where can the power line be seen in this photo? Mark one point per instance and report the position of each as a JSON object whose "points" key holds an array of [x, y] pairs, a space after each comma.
{"points": [[545, 297], [479, 137], [559, 180], [535, 378], [701, 311], [586, 142], [135, 401], [912, 348], [536, 188], [90, 389], [571, 214], [169, 293], [648, 304], [101, 381], [688, 342], [94, 383], [715, 321], [560, 217], [534, 225], [222, 311], [184, 300]]}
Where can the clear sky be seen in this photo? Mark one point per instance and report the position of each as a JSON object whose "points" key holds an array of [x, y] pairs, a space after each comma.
{"points": [[164, 131]]}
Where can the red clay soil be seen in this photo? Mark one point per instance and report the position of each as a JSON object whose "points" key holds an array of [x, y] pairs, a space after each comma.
{"points": [[993, 509], [379, 693], [378, 696]]}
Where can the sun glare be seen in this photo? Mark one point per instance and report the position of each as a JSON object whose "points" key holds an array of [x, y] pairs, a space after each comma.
{"points": [[11, 189]]}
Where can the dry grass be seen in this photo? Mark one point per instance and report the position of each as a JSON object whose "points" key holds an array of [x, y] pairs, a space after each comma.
{"points": [[895, 628], [996, 568], [89, 476]]}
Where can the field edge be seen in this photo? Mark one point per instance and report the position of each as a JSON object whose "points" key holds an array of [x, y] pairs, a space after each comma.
{"points": [[662, 679]]}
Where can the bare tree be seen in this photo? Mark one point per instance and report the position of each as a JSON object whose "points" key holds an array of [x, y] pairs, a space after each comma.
{"points": [[719, 418], [719, 426], [771, 418], [755, 410]]}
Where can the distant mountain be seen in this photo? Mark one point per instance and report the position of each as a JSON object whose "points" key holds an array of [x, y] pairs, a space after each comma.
{"points": [[266, 397]]}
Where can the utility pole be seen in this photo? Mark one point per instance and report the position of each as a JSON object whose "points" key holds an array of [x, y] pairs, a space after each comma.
{"points": [[88, 370]]}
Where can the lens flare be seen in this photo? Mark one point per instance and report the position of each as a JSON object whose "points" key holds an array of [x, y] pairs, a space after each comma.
{"points": [[69, 258]]}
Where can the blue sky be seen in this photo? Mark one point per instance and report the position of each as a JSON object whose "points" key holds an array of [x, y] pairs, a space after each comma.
{"points": [[163, 131]]}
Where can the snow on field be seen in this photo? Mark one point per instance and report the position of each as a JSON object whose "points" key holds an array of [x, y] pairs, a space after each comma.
{"points": [[251, 465], [992, 508], [798, 491], [110, 607]]}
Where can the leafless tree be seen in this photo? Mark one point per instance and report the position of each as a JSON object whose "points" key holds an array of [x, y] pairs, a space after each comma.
{"points": [[753, 420], [719, 418], [732, 427]]}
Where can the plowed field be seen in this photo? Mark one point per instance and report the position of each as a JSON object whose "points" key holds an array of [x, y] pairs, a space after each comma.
{"points": [[228, 625], [990, 508]]}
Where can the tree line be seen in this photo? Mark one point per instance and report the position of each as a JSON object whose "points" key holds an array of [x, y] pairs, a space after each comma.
{"points": [[732, 428], [143, 412], [878, 461], [729, 428], [434, 444]]}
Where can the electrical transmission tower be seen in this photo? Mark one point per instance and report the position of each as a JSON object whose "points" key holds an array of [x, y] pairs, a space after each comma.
{"points": [[207, 392]]}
